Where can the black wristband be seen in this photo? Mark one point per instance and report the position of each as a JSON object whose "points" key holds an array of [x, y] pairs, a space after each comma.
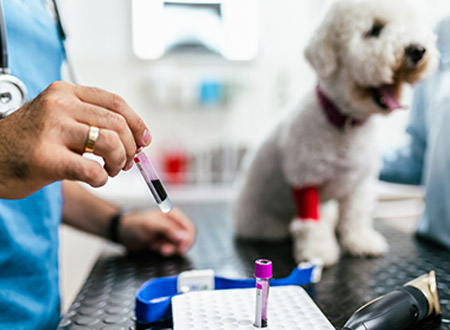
{"points": [[113, 228]]}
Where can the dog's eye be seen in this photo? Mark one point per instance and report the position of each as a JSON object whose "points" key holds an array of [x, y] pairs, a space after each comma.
{"points": [[375, 31]]}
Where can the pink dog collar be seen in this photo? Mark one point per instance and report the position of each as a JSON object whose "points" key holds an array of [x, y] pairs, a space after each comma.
{"points": [[333, 114]]}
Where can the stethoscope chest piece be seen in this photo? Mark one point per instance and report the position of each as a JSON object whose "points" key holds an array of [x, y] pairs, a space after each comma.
{"points": [[13, 94]]}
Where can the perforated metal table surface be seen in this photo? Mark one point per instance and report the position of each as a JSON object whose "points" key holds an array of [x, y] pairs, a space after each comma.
{"points": [[106, 301]]}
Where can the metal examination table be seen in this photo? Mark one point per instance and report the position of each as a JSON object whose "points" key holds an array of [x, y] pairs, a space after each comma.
{"points": [[106, 301]]}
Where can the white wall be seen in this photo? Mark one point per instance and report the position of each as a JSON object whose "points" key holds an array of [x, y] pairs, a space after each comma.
{"points": [[100, 44]]}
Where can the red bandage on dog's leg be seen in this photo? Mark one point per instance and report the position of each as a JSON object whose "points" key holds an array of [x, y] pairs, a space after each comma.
{"points": [[307, 201]]}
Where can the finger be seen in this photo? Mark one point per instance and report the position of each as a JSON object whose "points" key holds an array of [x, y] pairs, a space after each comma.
{"points": [[168, 249], [102, 118], [108, 145], [117, 104], [163, 247], [181, 219], [154, 246], [187, 226], [169, 230], [73, 166], [184, 245]]}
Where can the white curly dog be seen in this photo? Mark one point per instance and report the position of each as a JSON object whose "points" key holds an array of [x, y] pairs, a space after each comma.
{"points": [[324, 149]]}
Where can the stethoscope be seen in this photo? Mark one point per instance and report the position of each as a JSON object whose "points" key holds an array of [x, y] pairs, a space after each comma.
{"points": [[13, 92]]}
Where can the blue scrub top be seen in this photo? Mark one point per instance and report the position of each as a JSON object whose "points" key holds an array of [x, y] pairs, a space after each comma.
{"points": [[29, 287]]}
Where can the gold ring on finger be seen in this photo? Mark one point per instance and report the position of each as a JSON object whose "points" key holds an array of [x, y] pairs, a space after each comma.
{"points": [[91, 139]]}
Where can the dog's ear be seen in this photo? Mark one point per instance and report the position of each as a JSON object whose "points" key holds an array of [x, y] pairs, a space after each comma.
{"points": [[321, 52]]}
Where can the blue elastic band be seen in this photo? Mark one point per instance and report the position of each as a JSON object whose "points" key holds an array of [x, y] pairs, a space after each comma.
{"points": [[153, 299]]}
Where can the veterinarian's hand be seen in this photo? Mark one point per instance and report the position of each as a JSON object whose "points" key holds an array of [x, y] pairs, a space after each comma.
{"points": [[44, 141], [167, 233]]}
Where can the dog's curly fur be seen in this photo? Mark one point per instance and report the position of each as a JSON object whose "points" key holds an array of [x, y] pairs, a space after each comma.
{"points": [[359, 47]]}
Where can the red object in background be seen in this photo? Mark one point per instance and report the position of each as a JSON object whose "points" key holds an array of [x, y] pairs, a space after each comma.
{"points": [[307, 202], [175, 164]]}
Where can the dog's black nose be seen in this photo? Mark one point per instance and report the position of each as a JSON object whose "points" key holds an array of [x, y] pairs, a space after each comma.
{"points": [[415, 53]]}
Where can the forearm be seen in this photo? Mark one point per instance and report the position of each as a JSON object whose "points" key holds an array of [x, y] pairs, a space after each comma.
{"points": [[17, 178], [85, 211], [168, 233]]}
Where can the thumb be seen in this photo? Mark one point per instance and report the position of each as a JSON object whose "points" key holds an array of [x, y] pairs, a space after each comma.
{"points": [[73, 166]]}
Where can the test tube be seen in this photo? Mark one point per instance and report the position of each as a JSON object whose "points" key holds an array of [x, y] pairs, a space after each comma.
{"points": [[153, 182], [263, 272]]}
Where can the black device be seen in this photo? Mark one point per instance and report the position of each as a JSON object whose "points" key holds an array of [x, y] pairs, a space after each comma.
{"points": [[399, 309]]}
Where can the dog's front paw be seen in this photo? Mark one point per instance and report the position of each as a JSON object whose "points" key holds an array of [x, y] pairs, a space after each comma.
{"points": [[314, 240], [364, 242]]}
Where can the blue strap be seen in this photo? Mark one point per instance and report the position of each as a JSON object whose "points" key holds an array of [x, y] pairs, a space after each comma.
{"points": [[153, 298]]}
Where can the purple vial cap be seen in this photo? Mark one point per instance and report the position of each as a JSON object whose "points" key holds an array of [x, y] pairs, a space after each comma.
{"points": [[263, 268]]}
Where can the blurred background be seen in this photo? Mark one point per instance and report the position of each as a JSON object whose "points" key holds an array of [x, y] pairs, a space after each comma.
{"points": [[209, 78]]}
